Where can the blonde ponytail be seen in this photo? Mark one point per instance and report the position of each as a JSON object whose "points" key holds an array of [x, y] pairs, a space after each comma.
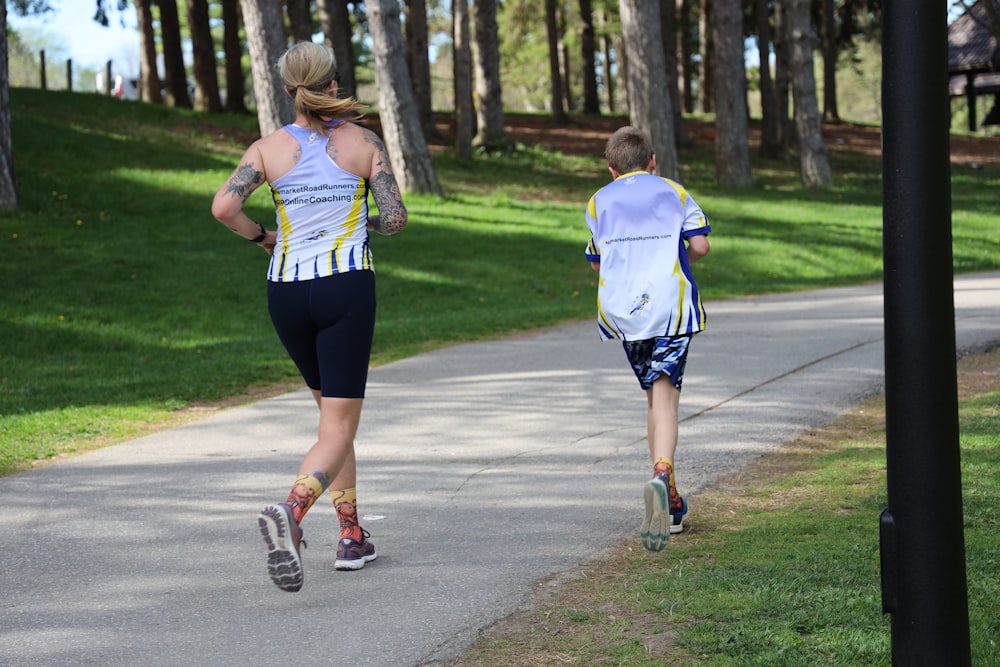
{"points": [[307, 69]]}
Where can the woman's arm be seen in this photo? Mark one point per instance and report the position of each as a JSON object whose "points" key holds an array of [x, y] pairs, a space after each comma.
{"points": [[227, 206], [392, 215]]}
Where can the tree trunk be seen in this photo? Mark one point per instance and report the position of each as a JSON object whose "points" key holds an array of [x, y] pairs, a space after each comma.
{"points": [[266, 40], [206, 75], [782, 75], [830, 112], [8, 185], [404, 140], [555, 76], [607, 51], [175, 76], [814, 164], [233, 48], [149, 79], [732, 150], [566, 66], [668, 30], [489, 110], [770, 141], [588, 51], [335, 18], [707, 50], [686, 54], [465, 112], [621, 57], [648, 99], [299, 20], [419, 66]]}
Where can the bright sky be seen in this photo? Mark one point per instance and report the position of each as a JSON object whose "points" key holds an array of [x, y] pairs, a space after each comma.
{"points": [[70, 31]]}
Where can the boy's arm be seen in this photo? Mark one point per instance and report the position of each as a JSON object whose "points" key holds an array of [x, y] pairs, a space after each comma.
{"points": [[593, 254], [697, 247], [695, 230]]}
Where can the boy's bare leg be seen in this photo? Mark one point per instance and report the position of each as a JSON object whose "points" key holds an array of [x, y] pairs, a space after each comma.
{"points": [[663, 399]]}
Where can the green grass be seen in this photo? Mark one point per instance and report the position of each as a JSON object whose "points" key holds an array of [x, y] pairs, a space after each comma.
{"points": [[127, 302], [779, 565]]}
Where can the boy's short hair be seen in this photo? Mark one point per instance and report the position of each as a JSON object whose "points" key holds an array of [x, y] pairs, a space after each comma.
{"points": [[628, 149]]}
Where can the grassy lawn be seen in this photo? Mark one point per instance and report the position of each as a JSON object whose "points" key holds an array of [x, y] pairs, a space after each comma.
{"points": [[130, 304]]}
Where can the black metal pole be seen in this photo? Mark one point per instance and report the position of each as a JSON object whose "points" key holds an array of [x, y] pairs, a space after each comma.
{"points": [[923, 544]]}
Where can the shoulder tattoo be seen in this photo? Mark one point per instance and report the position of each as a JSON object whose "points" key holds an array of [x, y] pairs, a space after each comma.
{"points": [[381, 158]]}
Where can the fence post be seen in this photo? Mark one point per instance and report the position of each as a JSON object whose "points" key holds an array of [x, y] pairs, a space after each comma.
{"points": [[44, 79], [107, 78], [69, 74]]}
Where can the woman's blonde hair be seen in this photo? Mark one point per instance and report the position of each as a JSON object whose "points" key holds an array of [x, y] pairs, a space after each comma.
{"points": [[307, 70]]}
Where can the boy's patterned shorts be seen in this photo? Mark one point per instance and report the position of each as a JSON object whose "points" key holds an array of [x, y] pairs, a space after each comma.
{"points": [[655, 357]]}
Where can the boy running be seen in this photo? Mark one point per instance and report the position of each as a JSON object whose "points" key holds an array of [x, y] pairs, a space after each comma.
{"points": [[646, 231]]}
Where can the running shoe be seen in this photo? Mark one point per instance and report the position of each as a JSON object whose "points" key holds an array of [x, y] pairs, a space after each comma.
{"points": [[283, 538], [677, 517], [656, 525], [352, 554]]}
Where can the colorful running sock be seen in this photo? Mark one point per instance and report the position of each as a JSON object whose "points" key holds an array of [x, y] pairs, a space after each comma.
{"points": [[305, 491], [665, 468], [346, 503]]}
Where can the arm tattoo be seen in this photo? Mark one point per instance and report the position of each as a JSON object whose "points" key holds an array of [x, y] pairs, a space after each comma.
{"points": [[244, 181], [392, 216]]}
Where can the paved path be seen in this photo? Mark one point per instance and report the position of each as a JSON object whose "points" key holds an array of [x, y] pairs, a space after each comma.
{"points": [[483, 468]]}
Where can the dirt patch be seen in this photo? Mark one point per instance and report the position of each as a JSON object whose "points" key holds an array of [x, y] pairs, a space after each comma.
{"points": [[586, 135], [249, 395]]}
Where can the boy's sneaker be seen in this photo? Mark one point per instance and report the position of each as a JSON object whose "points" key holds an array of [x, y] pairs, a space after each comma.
{"points": [[352, 555], [283, 538], [656, 524], [677, 517]]}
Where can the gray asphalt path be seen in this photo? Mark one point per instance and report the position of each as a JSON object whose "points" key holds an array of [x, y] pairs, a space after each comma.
{"points": [[483, 469]]}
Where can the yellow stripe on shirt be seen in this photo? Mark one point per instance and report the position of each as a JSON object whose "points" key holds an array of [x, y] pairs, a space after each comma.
{"points": [[350, 226], [286, 228], [681, 292]]}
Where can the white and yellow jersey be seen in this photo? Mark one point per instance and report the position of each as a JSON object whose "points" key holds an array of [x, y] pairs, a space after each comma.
{"points": [[638, 224], [322, 216]]}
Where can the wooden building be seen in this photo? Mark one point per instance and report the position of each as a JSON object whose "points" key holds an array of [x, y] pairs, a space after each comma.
{"points": [[974, 58]]}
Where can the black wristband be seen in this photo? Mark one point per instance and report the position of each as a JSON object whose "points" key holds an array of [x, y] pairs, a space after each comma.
{"points": [[263, 234]]}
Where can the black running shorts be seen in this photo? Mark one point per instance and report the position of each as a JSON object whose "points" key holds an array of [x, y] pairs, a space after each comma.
{"points": [[326, 325]]}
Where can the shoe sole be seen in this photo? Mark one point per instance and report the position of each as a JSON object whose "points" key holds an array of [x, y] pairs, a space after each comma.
{"points": [[356, 564], [656, 524], [283, 562]]}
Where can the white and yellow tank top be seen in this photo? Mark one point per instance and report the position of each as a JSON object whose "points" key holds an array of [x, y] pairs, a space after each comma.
{"points": [[322, 216]]}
